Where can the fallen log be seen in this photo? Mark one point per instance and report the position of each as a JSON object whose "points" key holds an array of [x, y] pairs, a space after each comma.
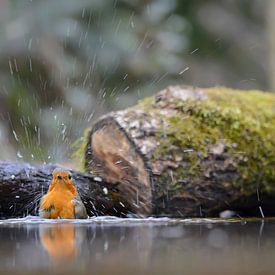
{"points": [[189, 152], [22, 185]]}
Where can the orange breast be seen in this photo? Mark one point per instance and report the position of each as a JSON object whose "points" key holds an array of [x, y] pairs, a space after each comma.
{"points": [[60, 199]]}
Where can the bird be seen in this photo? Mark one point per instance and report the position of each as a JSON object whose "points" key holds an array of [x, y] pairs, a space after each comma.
{"points": [[62, 199]]}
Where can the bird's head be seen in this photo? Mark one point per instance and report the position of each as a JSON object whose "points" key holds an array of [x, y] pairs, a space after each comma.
{"points": [[62, 177]]}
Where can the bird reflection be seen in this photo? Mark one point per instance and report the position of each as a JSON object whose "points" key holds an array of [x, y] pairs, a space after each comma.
{"points": [[59, 240]]}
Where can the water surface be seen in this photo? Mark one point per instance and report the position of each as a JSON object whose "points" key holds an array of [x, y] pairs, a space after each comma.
{"points": [[107, 245]]}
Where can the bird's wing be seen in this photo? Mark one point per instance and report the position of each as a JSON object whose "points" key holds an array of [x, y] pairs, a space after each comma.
{"points": [[79, 208]]}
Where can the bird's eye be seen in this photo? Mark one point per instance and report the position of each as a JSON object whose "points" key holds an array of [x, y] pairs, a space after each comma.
{"points": [[59, 177], [69, 177]]}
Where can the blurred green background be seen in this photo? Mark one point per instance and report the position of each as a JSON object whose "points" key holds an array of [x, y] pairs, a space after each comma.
{"points": [[64, 63]]}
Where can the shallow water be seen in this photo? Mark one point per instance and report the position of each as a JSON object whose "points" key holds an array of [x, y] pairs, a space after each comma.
{"points": [[108, 245]]}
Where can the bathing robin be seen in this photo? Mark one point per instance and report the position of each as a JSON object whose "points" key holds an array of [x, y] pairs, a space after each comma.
{"points": [[62, 199]]}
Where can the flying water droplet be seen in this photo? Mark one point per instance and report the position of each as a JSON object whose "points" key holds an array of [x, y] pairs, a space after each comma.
{"points": [[19, 155], [184, 70], [15, 135]]}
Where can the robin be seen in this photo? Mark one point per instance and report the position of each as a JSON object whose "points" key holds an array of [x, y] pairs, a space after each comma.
{"points": [[62, 199]]}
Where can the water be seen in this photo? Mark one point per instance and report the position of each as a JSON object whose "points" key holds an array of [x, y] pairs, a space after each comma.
{"points": [[108, 245]]}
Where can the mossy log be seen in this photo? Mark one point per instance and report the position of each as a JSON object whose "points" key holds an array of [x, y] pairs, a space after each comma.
{"points": [[189, 152]]}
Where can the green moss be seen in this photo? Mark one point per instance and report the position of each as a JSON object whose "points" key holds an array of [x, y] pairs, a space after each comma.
{"points": [[79, 148], [146, 101], [245, 121]]}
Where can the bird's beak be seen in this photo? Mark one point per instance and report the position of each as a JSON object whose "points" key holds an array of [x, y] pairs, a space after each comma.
{"points": [[64, 181]]}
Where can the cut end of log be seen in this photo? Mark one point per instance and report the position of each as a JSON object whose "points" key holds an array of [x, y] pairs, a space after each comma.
{"points": [[111, 155]]}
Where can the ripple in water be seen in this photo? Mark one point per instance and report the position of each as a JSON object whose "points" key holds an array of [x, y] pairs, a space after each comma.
{"points": [[116, 220]]}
